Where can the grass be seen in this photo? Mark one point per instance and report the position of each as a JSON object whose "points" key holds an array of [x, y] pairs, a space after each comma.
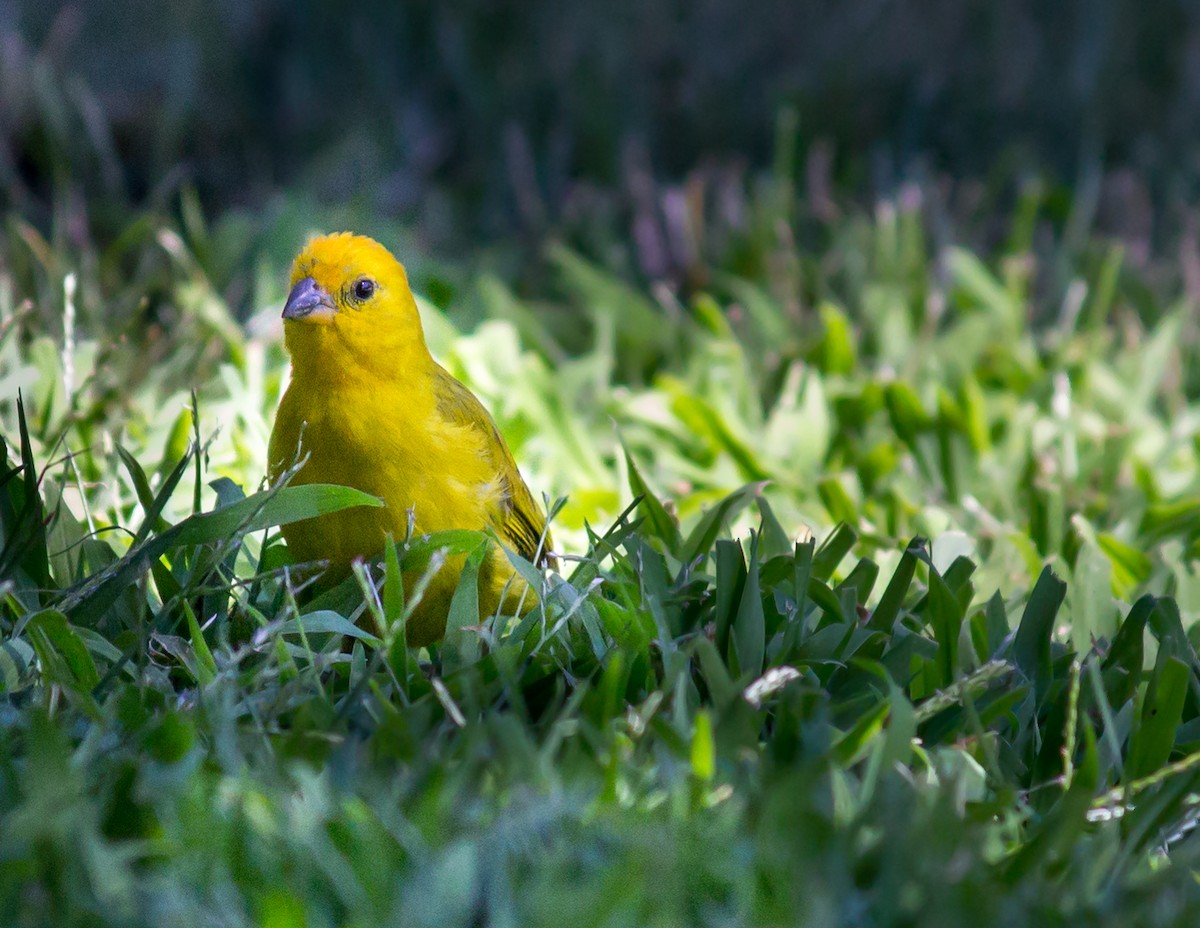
{"points": [[880, 605]]}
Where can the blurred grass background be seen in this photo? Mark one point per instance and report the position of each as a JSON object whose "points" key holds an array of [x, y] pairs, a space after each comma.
{"points": [[484, 121]]}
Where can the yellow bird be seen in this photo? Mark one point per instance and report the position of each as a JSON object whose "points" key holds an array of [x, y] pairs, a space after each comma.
{"points": [[368, 407]]}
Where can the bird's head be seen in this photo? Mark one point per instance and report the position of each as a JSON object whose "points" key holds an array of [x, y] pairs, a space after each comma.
{"points": [[350, 307]]}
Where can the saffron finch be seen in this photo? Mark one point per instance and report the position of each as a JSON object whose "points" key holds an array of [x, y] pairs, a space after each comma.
{"points": [[368, 407]]}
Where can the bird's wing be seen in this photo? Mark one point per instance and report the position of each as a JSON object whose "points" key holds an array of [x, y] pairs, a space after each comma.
{"points": [[520, 520]]}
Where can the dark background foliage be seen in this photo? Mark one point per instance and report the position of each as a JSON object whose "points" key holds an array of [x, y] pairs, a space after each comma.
{"points": [[520, 108]]}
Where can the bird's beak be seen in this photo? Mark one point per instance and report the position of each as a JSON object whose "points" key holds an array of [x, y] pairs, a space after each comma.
{"points": [[308, 301]]}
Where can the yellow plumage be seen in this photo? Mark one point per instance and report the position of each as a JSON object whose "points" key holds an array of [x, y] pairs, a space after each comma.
{"points": [[371, 409]]}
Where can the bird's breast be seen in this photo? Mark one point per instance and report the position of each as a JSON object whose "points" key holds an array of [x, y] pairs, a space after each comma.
{"points": [[393, 447]]}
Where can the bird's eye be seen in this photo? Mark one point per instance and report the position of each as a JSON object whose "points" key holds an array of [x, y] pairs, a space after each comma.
{"points": [[364, 288]]}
